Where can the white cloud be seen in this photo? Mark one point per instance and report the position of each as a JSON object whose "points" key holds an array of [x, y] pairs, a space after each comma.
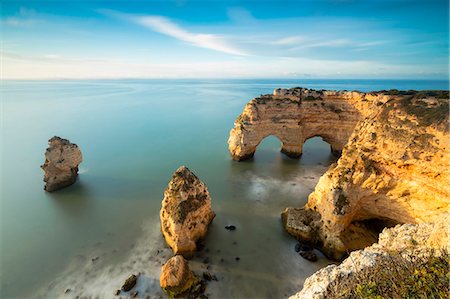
{"points": [[290, 40], [209, 41], [326, 44]]}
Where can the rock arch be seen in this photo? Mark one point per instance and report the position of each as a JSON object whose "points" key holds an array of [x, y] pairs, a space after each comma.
{"points": [[294, 116]]}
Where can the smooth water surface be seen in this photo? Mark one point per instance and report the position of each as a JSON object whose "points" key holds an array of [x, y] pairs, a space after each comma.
{"points": [[133, 135]]}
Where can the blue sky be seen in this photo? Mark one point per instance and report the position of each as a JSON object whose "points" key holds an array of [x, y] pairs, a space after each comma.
{"points": [[225, 39]]}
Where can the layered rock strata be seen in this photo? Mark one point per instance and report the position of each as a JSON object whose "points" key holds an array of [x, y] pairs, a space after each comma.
{"points": [[394, 169], [177, 279], [407, 240], [186, 211], [294, 116], [62, 159]]}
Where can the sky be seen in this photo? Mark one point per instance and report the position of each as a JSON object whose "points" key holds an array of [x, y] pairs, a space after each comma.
{"points": [[405, 39]]}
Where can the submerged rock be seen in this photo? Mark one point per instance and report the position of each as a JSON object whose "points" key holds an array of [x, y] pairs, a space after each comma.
{"points": [[230, 227], [129, 283], [177, 279], [308, 255], [61, 164], [186, 211]]}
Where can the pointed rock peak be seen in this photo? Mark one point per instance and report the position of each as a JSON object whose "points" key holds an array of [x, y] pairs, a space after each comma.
{"points": [[185, 172], [186, 211]]}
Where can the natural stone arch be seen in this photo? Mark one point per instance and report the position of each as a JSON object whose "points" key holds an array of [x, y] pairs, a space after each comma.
{"points": [[294, 116], [288, 146]]}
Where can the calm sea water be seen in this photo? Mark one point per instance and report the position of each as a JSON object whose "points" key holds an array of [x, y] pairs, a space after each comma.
{"points": [[134, 134]]}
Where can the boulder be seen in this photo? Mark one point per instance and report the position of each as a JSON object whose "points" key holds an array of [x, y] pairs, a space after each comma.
{"points": [[61, 164], [186, 211], [176, 278], [129, 283]]}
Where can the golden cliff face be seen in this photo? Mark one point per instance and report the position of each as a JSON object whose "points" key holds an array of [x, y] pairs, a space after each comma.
{"points": [[394, 169], [295, 115]]}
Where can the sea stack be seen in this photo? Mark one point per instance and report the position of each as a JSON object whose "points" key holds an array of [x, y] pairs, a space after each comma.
{"points": [[61, 164], [186, 211]]}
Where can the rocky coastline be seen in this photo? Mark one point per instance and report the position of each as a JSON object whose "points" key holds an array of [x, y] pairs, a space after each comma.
{"points": [[392, 170], [386, 195]]}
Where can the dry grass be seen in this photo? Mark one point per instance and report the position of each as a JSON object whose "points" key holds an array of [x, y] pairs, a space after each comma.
{"points": [[397, 276]]}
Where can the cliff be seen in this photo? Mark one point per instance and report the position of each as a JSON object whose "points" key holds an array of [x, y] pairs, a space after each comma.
{"points": [[409, 258], [294, 116], [393, 168]]}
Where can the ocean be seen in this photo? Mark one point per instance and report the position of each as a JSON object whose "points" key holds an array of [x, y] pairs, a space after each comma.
{"points": [[134, 134]]}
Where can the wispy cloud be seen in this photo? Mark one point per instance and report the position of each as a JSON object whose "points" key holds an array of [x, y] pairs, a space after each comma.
{"points": [[167, 27], [290, 40], [25, 18], [326, 44]]}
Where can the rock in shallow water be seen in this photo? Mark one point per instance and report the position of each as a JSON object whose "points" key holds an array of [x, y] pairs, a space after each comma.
{"points": [[129, 283], [186, 211], [61, 164], [177, 279], [309, 255], [230, 227]]}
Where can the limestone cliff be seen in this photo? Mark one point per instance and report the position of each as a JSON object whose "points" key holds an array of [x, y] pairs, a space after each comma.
{"points": [[62, 159], [186, 211], [394, 166], [394, 169], [295, 115], [407, 240]]}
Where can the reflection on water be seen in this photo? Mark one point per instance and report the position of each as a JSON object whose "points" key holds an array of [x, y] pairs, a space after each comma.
{"points": [[133, 135]]}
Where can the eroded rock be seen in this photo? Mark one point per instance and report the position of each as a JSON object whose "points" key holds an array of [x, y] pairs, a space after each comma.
{"points": [[62, 159], [406, 239], [177, 279], [394, 169], [186, 211], [295, 115]]}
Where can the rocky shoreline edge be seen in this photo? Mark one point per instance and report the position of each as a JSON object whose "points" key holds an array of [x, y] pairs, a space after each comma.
{"points": [[389, 184]]}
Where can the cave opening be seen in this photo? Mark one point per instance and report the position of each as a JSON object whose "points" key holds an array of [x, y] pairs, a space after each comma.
{"points": [[362, 233], [376, 225]]}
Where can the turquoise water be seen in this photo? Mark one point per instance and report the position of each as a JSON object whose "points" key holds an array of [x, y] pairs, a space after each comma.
{"points": [[134, 134]]}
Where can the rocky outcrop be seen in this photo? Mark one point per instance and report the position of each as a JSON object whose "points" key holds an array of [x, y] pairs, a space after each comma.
{"points": [[407, 240], [177, 279], [294, 116], [186, 211], [61, 164], [394, 169]]}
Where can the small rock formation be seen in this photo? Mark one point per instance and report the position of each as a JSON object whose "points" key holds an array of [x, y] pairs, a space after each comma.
{"points": [[61, 164], [186, 211], [177, 279], [393, 170], [295, 115], [129, 283], [404, 239]]}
